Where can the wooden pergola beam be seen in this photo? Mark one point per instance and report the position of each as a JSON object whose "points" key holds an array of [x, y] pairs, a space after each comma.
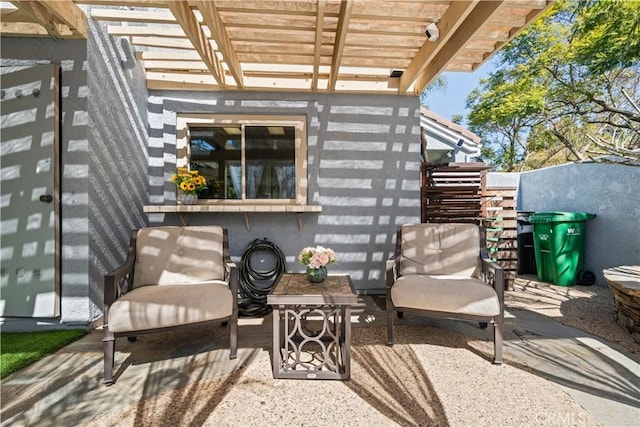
{"points": [[318, 44], [146, 31], [146, 17], [341, 35], [163, 42], [448, 24], [23, 29], [70, 14], [42, 16], [169, 56], [456, 42], [125, 3], [532, 16], [185, 17], [212, 18]]}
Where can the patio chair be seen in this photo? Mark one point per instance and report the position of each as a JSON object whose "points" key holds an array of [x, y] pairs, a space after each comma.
{"points": [[173, 277], [442, 270]]}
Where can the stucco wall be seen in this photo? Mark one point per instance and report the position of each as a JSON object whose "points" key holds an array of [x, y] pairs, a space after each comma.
{"points": [[363, 169], [610, 191], [103, 164], [118, 160]]}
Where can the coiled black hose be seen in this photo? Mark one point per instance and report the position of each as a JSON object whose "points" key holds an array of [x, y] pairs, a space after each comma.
{"points": [[255, 304]]}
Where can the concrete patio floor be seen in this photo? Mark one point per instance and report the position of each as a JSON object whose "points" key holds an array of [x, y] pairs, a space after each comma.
{"points": [[438, 373]]}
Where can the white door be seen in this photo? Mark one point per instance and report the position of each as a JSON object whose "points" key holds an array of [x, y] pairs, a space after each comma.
{"points": [[29, 200]]}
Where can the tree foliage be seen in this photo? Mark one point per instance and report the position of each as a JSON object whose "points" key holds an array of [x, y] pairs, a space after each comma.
{"points": [[607, 35], [567, 89], [439, 84], [457, 118]]}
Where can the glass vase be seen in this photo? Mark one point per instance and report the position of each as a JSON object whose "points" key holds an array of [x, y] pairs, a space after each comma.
{"points": [[187, 198], [316, 275]]}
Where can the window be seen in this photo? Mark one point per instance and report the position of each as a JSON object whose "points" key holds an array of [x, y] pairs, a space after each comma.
{"points": [[250, 160]]}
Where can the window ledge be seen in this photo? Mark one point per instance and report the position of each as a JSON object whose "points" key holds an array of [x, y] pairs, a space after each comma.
{"points": [[229, 208], [245, 209]]}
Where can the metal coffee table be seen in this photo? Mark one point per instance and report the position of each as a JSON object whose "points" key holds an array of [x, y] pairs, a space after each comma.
{"points": [[312, 327]]}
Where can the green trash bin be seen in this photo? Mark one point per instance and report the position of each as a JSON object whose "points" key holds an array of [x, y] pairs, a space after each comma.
{"points": [[558, 241]]}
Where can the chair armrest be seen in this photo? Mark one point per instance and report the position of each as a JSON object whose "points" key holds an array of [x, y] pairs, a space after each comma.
{"points": [[233, 277], [119, 281], [494, 275], [393, 263], [392, 270]]}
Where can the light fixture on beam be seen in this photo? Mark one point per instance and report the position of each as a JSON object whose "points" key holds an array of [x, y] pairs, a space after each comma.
{"points": [[432, 32]]}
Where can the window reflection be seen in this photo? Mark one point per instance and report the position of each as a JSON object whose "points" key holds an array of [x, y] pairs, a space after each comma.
{"points": [[268, 170], [216, 153], [270, 162]]}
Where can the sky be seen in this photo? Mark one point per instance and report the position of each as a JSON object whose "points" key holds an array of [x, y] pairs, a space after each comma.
{"points": [[459, 85]]}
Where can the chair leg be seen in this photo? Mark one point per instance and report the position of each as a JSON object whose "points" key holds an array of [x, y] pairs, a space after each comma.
{"points": [[109, 346], [497, 343], [390, 327], [233, 337]]}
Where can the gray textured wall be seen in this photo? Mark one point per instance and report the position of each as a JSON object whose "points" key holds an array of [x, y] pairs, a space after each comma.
{"points": [[363, 170], [118, 182], [610, 191], [104, 181]]}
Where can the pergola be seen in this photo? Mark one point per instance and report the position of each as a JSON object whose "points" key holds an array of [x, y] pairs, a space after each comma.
{"points": [[351, 46]]}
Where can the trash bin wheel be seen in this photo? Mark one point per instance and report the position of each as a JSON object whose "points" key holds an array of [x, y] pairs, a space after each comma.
{"points": [[585, 278]]}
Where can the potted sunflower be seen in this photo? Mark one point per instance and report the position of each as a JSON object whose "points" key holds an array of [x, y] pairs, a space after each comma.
{"points": [[189, 183]]}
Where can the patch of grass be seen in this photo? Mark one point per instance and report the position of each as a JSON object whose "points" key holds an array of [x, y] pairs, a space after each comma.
{"points": [[20, 349]]}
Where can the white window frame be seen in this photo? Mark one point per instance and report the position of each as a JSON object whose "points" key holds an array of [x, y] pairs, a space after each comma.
{"points": [[185, 121]]}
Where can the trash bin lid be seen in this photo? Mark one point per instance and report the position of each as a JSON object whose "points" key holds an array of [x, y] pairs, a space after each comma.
{"points": [[547, 217], [523, 216]]}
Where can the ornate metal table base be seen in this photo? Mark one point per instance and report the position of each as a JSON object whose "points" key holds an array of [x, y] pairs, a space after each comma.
{"points": [[312, 328]]}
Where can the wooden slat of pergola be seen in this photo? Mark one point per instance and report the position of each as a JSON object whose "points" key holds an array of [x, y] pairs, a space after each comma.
{"points": [[348, 46]]}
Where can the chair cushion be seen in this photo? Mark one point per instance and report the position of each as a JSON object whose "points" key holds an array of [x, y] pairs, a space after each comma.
{"points": [[174, 255], [437, 249], [151, 307], [447, 294]]}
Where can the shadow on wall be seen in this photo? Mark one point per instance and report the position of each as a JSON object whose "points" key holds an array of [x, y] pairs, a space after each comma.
{"points": [[118, 155], [363, 169], [70, 56]]}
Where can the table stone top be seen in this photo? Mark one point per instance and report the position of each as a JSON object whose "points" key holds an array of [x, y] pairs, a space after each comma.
{"points": [[295, 288]]}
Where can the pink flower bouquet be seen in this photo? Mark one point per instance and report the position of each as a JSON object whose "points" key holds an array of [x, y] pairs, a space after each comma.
{"points": [[317, 257]]}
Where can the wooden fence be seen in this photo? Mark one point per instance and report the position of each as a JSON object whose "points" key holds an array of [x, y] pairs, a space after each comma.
{"points": [[452, 192], [501, 229]]}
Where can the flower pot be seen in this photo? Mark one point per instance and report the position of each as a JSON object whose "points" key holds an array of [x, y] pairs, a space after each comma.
{"points": [[187, 198], [316, 275]]}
